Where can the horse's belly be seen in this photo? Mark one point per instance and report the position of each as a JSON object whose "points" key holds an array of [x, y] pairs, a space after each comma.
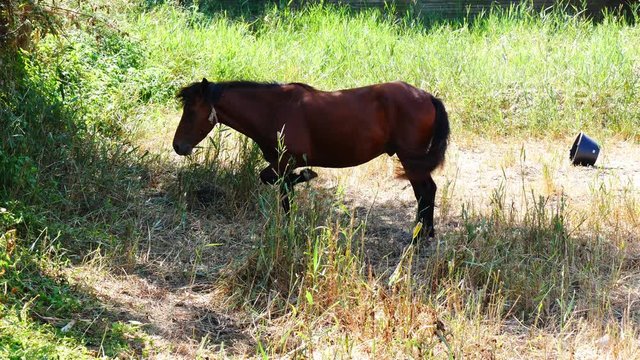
{"points": [[341, 164], [347, 140], [342, 156]]}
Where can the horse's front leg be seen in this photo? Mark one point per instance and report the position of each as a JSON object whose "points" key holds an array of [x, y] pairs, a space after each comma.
{"points": [[270, 176], [285, 190], [304, 176]]}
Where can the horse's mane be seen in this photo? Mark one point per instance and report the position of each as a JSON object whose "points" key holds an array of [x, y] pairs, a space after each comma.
{"points": [[215, 90], [303, 85], [243, 84]]}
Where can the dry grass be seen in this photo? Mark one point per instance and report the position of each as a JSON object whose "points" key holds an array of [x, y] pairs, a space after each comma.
{"points": [[535, 258]]}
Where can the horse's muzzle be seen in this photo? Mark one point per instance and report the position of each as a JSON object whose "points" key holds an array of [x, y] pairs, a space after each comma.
{"points": [[182, 149]]}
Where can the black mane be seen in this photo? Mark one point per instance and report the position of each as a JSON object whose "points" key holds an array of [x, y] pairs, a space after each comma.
{"points": [[213, 91], [243, 84]]}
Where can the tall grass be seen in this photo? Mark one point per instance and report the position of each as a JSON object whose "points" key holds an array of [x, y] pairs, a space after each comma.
{"points": [[513, 71], [501, 273], [67, 176]]}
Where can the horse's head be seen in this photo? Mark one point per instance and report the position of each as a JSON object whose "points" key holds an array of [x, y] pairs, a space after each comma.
{"points": [[198, 116]]}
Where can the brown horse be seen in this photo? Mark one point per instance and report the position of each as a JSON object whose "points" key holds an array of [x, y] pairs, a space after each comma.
{"points": [[326, 129]]}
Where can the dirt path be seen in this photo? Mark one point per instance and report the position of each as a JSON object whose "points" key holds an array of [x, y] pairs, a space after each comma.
{"points": [[475, 172], [172, 287]]}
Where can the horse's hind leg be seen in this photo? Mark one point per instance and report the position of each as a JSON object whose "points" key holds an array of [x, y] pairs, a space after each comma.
{"points": [[425, 213], [425, 192], [424, 188]]}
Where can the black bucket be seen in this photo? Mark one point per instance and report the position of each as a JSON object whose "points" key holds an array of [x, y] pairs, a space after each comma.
{"points": [[584, 151]]}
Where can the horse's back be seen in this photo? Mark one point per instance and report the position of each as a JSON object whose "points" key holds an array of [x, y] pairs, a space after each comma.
{"points": [[337, 128]]}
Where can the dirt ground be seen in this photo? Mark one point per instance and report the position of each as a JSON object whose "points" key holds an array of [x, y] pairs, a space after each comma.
{"points": [[474, 172], [172, 293]]}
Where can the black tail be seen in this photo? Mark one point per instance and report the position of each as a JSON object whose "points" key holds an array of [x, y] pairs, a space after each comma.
{"points": [[440, 139]]}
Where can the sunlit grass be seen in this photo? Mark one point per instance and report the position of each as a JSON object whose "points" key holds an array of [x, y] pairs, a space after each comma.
{"points": [[508, 72]]}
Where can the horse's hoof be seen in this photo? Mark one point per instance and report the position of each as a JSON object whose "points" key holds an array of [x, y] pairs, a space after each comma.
{"points": [[425, 236], [308, 174]]}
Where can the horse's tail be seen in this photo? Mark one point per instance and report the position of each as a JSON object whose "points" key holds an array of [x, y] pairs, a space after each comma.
{"points": [[440, 139], [435, 154]]}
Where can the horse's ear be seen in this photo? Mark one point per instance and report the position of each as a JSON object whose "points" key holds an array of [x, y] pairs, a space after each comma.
{"points": [[205, 86]]}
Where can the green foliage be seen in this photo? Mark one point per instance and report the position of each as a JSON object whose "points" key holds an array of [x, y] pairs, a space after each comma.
{"points": [[21, 338], [66, 152], [37, 301], [66, 168], [30, 287], [28, 275]]}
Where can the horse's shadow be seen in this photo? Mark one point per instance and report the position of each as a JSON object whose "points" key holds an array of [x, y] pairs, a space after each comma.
{"points": [[214, 216], [388, 230]]}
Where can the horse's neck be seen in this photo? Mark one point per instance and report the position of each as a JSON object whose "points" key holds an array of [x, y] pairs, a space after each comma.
{"points": [[248, 111]]}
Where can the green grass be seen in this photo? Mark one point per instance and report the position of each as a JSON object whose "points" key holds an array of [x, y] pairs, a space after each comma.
{"points": [[21, 338], [511, 72], [78, 109], [38, 301]]}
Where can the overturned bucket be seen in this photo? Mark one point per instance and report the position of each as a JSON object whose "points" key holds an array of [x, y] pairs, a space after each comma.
{"points": [[584, 151]]}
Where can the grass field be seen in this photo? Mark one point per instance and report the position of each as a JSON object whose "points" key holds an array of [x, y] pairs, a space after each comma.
{"points": [[113, 246]]}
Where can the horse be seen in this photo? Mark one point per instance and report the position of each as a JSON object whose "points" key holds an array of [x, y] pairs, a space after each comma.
{"points": [[296, 125]]}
